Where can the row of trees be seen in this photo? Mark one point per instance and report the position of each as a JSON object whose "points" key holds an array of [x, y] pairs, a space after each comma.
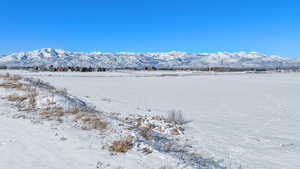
{"points": [[147, 68], [69, 69]]}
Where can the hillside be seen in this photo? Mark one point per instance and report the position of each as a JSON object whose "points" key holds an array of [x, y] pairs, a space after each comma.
{"points": [[59, 57]]}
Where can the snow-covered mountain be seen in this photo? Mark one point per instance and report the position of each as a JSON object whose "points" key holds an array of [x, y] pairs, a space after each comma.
{"points": [[59, 57]]}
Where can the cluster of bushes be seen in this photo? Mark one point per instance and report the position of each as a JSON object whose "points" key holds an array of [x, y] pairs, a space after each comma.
{"points": [[12, 82]]}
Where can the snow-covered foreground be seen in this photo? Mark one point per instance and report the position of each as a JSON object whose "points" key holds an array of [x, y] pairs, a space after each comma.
{"points": [[29, 144], [46, 127], [250, 120]]}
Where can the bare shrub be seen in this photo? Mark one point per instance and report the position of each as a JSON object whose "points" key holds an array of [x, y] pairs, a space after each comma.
{"points": [[176, 117], [147, 150], [167, 147], [99, 124], [175, 146], [32, 99], [50, 101], [122, 146], [147, 133]]}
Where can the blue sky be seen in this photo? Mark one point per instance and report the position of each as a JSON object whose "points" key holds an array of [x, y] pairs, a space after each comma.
{"points": [[267, 26]]}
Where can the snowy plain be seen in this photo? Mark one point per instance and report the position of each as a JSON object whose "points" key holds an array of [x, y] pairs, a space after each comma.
{"points": [[246, 119]]}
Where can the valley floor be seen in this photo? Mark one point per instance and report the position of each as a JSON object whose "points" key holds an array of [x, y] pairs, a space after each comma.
{"points": [[248, 120]]}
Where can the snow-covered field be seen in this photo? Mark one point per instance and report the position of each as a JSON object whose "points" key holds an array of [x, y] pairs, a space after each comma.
{"points": [[250, 120]]}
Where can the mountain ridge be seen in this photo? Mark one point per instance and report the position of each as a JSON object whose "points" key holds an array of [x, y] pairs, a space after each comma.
{"points": [[176, 59]]}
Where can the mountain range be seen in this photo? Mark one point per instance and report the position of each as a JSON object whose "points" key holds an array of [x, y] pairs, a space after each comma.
{"points": [[59, 57]]}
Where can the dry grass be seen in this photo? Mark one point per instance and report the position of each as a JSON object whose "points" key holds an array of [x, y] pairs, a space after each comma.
{"points": [[158, 118], [122, 146], [14, 78], [16, 98], [7, 75], [92, 120], [73, 111], [79, 116], [99, 124], [168, 75], [32, 99], [135, 120], [12, 81], [86, 117], [12, 85], [16, 86], [49, 111], [53, 112]]}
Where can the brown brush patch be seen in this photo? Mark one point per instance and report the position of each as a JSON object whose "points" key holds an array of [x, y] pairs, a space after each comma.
{"points": [[135, 120], [85, 117], [158, 118], [79, 116], [14, 78], [17, 86], [7, 75], [11, 85], [92, 120], [15, 98], [53, 112], [99, 124], [73, 111], [122, 146]]}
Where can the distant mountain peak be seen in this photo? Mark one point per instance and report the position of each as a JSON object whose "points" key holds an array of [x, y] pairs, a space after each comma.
{"points": [[60, 57]]}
